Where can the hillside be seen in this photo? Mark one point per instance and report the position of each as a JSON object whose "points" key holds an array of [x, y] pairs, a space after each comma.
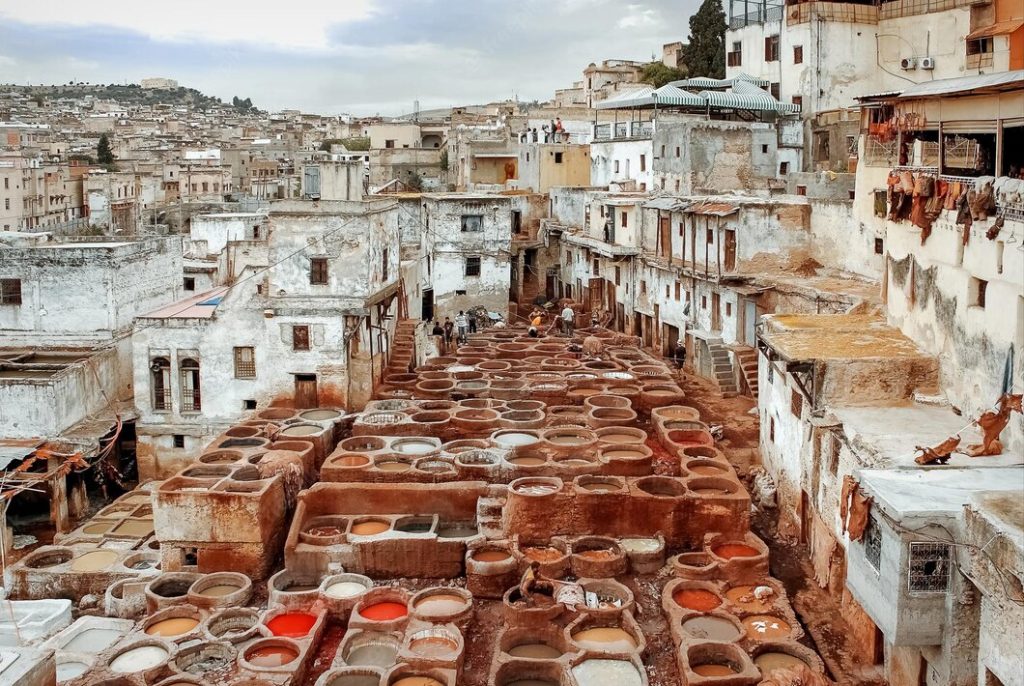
{"points": [[130, 94]]}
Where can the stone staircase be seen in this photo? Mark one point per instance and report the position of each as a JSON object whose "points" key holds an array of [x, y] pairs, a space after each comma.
{"points": [[723, 371], [488, 515], [747, 359], [403, 348]]}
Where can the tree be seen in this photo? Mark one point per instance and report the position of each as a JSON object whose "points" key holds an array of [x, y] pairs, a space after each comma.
{"points": [[104, 154], [705, 53], [658, 74]]}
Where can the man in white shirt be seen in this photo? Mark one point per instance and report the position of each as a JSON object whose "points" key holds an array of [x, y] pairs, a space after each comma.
{"points": [[461, 322], [568, 319]]}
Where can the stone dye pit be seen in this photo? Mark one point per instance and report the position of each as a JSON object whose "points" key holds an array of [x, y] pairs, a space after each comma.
{"points": [[406, 529]]}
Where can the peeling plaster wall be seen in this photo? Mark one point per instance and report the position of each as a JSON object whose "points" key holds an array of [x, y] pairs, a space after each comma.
{"points": [[713, 156], [838, 240], [604, 155], [931, 297], [217, 230], [448, 247]]}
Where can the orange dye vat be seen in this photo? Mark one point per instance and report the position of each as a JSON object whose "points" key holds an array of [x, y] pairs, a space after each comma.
{"points": [[383, 612], [727, 551], [292, 624], [696, 599]]}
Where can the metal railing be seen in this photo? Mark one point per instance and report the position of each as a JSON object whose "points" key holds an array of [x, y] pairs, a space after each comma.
{"points": [[623, 129]]}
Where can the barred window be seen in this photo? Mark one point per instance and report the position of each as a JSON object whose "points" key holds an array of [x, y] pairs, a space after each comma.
{"points": [[873, 543], [473, 266], [10, 291], [929, 567], [190, 397], [245, 363], [318, 271]]}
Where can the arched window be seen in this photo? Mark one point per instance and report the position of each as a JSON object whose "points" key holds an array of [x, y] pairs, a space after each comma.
{"points": [[190, 399], [160, 371]]}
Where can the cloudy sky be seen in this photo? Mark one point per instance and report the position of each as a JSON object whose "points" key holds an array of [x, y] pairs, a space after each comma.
{"points": [[331, 56]]}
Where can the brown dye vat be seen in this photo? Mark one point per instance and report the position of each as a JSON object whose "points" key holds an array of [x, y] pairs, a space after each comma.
{"points": [[271, 656], [301, 430], [711, 628], [351, 461], [456, 530], [618, 438], [743, 597], [490, 556], [605, 639], [416, 681], [219, 590], [600, 487], [96, 528], [527, 461], [434, 646], [712, 669], [772, 661], [623, 454], [531, 682], [697, 599], [394, 466], [370, 527], [534, 651], [355, 680], [727, 551], [762, 627], [175, 626], [542, 553], [706, 469], [93, 561], [597, 555], [134, 527], [319, 415]]}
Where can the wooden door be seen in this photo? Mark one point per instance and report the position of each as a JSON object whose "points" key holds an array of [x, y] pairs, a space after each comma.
{"points": [[750, 323], [305, 391], [665, 236], [730, 250], [716, 312]]}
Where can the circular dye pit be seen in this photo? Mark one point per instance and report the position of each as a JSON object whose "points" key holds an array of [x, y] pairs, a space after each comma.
{"points": [[515, 439], [711, 628], [351, 461], [376, 654], [301, 430], [624, 454], [535, 651], [355, 680], [600, 486], [456, 531], [490, 556], [394, 466], [640, 545], [761, 627], [292, 624], [707, 470], [414, 447], [324, 531], [371, 527], [542, 553], [618, 438], [384, 611], [271, 656], [598, 672], [434, 646], [744, 598], [774, 660], [610, 639], [532, 682], [697, 599], [93, 561], [528, 461], [535, 488], [344, 589], [441, 604], [417, 681], [69, 670], [219, 590], [138, 659], [713, 669], [319, 415], [173, 626], [727, 551]]}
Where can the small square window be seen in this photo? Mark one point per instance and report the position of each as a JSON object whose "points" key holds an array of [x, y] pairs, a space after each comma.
{"points": [[472, 223], [473, 265], [978, 289], [873, 543], [10, 291], [929, 567], [798, 54], [460, 292], [764, 148], [558, 158], [879, 246], [249, 404], [179, 440], [189, 283], [318, 271], [300, 338]]}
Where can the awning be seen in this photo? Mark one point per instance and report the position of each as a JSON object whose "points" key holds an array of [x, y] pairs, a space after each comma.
{"points": [[744, 95], [1000, 28], [714, 209], [667, 202], [966, 85], [670, 96]]}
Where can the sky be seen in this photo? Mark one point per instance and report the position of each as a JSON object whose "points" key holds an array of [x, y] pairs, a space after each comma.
{"points": [[361, 57]]}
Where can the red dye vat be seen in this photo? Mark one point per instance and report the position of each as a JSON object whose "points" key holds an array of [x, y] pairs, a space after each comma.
{"points": [[271, 656], [292, 624], [727, 551], [696, 599], [382, 612]]}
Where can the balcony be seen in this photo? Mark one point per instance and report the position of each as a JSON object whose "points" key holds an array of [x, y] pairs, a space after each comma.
{"points": [[624, 130]]}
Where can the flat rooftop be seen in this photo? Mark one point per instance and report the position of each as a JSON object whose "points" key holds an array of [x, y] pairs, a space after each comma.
{"points": [[889, 433], [937, 490], [806, 337]]}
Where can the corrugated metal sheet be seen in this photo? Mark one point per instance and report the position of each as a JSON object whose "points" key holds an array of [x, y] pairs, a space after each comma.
{"points": [[669, 95], [667, 203], [1007, 80], [1000, 28], [715, 209]]}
